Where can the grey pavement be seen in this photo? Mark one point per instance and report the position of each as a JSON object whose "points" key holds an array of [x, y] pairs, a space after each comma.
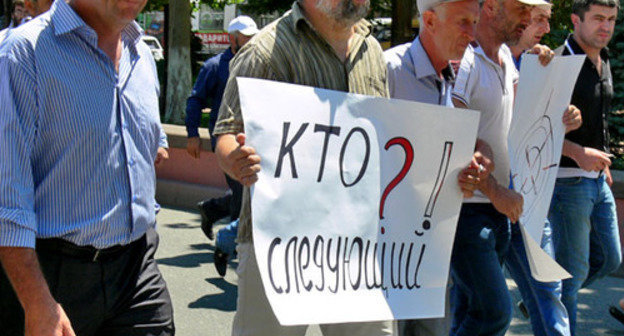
{"points": [[204, 303]]}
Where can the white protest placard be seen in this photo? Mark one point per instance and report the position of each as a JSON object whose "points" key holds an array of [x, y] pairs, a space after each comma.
{"points": [[355, 209], [535, 143]]}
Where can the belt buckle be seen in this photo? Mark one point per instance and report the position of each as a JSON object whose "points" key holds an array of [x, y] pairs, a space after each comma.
{"points": [[96, 255]]}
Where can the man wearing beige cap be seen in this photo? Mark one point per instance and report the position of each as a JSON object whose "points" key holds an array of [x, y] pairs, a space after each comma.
{"points": [[420, 71], [485, 82]]}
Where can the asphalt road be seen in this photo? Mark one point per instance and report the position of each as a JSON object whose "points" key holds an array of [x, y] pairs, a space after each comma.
{"points": [[204, 303]]}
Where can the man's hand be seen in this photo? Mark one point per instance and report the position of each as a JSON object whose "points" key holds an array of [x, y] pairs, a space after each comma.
{"points": [[544, 54], [509, 203], [608, 177], [572, 119], [478, 170], [47, 320], [43, 315], [591, 159], [193, 146], [238, 160], [506, 201], [161, 156]]}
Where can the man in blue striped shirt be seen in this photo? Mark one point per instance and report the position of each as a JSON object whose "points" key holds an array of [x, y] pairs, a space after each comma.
{"points": [[80, 131]]}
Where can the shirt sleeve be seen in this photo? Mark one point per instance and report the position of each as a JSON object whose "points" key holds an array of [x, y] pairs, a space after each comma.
{"points": [[466, 78], [162, 139], [249, 62], [18, 120], [198, 100], [391, 69]]}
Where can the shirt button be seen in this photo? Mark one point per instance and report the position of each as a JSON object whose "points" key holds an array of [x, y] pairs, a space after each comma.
{"points": [[134, 198], [131, 162], [125, 125]]}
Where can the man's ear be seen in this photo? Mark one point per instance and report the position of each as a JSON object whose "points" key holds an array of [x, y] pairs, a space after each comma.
{"points": [[429, 18], [576, 20], [490, 7]]}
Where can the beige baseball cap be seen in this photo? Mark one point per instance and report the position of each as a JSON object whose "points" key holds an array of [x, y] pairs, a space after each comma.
{"points": [[425, 5], [536, 2]]}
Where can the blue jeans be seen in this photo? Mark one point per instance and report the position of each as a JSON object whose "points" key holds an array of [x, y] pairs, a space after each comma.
{"points": [[585, 234], [226, 239], [549, 316], [480, 300]]}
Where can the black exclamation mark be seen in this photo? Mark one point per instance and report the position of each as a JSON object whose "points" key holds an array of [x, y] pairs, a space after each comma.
{"points": [[433, 198]]}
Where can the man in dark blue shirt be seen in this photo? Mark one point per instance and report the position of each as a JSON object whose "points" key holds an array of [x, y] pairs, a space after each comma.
{"points": [[209, 88]]}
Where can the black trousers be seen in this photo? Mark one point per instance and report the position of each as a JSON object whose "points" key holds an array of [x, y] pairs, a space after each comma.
{"points": [[231, 204], [119, 294], [11, 312], [236, 198]]}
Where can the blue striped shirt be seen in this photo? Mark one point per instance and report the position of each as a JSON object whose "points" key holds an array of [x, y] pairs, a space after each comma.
{"points": [[78, 139]]}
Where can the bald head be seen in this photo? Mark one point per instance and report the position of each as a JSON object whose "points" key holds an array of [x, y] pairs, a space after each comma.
{"points": [[449, 27]]}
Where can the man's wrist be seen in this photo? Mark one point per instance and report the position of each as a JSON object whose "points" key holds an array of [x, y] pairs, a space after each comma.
{"points": [[572, 150], [489, 187], [22, 268]]}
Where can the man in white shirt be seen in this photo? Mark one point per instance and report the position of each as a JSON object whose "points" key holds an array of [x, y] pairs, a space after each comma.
{"points": [[485, 82]]}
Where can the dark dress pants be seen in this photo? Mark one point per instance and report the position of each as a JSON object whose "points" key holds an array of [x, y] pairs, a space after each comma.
{"points": [[120, 294]]}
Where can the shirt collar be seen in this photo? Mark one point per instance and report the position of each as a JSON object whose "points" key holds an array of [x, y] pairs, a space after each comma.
{"points": [[478, 51], [362, 27], [132, 33], [65, 20], [228, 54], [420, 58], [576, 48]]}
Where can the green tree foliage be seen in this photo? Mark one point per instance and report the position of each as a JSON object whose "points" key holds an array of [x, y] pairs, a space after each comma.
{"points": [[560, 24], [616, 53], [266, 6], [378, 7]]}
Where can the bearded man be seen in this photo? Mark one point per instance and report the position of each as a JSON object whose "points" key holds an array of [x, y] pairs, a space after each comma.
{"points": [[320, 43]]}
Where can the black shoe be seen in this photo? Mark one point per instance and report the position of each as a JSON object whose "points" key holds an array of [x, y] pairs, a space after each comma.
{"points": [[617, 314], [522, 308], [210, 213], [220, 261]]}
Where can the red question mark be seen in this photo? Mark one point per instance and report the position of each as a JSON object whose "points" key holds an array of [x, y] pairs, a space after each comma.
{"points": [[409, 158]]}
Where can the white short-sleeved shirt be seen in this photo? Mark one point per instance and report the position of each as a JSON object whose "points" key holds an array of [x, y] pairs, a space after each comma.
{"points": [[485, 86]]}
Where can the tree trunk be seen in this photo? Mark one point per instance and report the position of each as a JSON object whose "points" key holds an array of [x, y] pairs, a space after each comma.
{"points": [[179, 60], [5, 13], [401, 21]]}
